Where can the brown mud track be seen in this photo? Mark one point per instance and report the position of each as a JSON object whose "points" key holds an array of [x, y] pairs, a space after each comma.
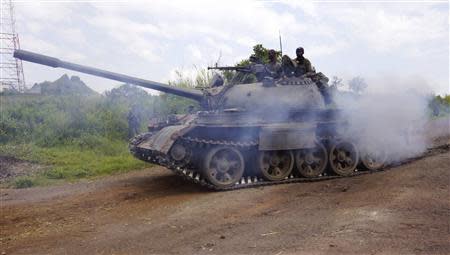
{"points": [[404, 210]]}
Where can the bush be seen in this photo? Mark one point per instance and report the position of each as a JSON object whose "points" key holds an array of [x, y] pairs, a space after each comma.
{"points": [[49, 121], [52, 121], [440, 105], [79, 136], [23, 182]]}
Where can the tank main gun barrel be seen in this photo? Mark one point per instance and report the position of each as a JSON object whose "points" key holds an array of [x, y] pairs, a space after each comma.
{"points": [[231, 68], [54, 62]]}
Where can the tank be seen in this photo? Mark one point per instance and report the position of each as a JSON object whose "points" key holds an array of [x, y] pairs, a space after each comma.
{"points": [[267, 132]]}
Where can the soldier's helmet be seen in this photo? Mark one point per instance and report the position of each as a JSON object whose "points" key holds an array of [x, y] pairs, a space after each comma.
{"points": [[300, 50]]}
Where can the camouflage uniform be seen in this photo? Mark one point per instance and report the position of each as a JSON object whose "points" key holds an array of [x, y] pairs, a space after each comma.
{"points": [[274, 69], [287, 66], [303, 66]]}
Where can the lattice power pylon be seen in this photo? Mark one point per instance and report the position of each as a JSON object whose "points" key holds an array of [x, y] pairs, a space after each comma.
{"points": [[11, 69]]}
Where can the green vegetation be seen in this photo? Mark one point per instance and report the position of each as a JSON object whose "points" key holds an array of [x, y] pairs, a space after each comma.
{"points": [[440, 105], [79, 136], [73, 161], [24, 182], [261, 54]]}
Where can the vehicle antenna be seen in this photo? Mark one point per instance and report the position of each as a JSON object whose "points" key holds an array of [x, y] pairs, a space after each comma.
{"points": [[281, 45]]}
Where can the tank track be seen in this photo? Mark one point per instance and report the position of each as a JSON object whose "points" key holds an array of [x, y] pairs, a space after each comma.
{"points": [[248, 181]]}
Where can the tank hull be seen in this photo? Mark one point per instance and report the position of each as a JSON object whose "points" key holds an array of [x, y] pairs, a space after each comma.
{"points": [[195, 146]]}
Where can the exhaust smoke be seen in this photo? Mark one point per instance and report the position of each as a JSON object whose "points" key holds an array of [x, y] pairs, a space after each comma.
{"points": [[388, 121]]}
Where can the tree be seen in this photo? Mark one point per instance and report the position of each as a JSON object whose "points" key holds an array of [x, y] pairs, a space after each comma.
{"points": [[336, 82], [357, 84], [261, 53]]}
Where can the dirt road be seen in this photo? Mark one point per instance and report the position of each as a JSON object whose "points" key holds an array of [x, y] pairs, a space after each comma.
{"points": [[403, 211]]}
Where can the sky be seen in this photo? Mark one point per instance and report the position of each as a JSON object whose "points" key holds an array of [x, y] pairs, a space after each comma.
{"points": [[378, 40]]}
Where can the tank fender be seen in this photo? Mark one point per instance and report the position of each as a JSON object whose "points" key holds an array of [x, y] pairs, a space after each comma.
{"points": [[163, 140], [287, 137]]}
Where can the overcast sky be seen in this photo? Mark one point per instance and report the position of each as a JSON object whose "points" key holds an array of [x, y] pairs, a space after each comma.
{"points": [[152, 39]]}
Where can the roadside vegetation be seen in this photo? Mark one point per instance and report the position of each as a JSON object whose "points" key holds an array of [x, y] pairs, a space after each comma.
{"points": [[79, 136], [440, 106]]}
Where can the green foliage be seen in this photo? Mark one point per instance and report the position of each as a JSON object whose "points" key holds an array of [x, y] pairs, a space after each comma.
{"points": [[440, 105], [81, 136], [76, 136], [24, 182], [72, 162], [178, 105], [261, 54], [49, 121], [445, 99]]}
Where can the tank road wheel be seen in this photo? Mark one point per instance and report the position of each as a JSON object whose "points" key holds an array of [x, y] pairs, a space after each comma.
{"points": [[180, 154], [374, 161], [275, 165], [343, 158], [223, 166], [311, 162]]}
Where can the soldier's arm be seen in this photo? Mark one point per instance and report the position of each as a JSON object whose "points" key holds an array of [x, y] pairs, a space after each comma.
{"points": [[308, 66], [279, 71]]}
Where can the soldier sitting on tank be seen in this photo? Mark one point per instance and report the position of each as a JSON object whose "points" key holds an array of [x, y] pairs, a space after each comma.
{"points": [[303, 65], [257, 70], [287, 66], [273, 67]]}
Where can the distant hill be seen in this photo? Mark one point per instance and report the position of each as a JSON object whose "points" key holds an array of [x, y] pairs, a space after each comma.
{"points": [[62, 86]]}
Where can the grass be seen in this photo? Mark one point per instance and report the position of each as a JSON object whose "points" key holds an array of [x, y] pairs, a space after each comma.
{"points": [[24, 182], [68, 162]]}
